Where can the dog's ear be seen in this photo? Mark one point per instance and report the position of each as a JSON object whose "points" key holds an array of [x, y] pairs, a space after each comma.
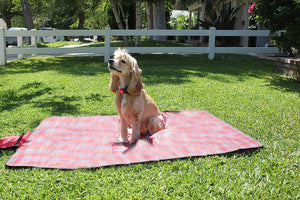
{"points": [[114, 83], [136, 85]]}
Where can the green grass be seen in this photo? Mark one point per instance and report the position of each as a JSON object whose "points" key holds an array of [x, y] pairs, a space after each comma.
{"points": [[144, 43], [118, 43], [244, 91], [60, 44]]}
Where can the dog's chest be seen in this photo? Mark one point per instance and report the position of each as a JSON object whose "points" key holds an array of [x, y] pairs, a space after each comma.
{"points": [[124, 100], [128, 104], [123, 103]]}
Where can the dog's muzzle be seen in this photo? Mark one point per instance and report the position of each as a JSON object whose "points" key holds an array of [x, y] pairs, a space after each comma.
{"points": [[111, 66]]}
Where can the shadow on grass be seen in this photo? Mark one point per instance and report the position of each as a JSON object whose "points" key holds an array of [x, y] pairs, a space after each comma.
{"points": [[177, 69], [30, 94], [65, 105], [81, 66], [163, 68], [13, 98], [58, 105], [285, 84]]}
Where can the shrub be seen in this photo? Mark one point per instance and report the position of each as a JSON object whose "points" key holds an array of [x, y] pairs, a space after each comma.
{"points": [[279, 15]]}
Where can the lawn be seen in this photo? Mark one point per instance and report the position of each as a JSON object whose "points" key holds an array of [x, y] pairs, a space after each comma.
{"points": [[244, 91], [60, 44], [117, 43], [144, 43]]}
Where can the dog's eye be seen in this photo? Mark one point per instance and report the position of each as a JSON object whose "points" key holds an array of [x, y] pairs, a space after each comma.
{"points": [[123, 61]]}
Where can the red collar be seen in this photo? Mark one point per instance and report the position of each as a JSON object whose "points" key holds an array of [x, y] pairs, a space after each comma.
{"points": [[123, 90]]}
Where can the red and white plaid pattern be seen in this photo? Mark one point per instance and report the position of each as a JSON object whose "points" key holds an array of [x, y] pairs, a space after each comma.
{"points": [[89, 142]]}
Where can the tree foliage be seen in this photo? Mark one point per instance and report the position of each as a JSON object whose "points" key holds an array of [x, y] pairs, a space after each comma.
{"points": [[98, 18], [279, 15], [81, 14], [179, 22], [9, 9], [63, 14]]}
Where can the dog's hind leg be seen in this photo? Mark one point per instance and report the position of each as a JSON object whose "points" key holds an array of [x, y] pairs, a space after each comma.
{"points": [[156, 123]]}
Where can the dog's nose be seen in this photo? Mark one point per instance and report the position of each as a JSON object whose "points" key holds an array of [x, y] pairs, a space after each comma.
{"points": [[111, 61]]}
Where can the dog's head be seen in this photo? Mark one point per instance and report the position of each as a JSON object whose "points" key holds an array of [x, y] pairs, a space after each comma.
{"points": [[124, 65]]}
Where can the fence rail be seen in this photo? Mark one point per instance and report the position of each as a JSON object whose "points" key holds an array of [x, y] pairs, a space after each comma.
{"points": [[107, 50]]}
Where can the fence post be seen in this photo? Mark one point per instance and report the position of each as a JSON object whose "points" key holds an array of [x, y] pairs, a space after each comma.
{"points": [[20, 43], [33, 42], [211, 43], [107, 44], [2, 47]]}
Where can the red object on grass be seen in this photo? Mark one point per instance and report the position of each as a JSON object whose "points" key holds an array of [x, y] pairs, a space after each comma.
{"points": [[13, 141], [90, 142]]}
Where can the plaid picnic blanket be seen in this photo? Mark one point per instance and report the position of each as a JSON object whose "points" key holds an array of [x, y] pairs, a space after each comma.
{"points": [[90, 142]]}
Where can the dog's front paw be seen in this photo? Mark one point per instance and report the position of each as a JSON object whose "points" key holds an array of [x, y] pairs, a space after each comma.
{"points": [[134, 139], [122, 140]]}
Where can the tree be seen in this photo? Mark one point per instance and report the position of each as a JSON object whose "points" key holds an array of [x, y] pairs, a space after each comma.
{"points": [[279, 15], [81, 8], [63, 14], [159, 17], [9, 9], [117, 13], [156, 17], [27, 14], [56, 13], [98, 18], [155, 14], [149, 11], [138, 21]]}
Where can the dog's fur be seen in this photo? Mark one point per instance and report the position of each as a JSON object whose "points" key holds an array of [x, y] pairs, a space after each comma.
{"points": [[136, 108]]}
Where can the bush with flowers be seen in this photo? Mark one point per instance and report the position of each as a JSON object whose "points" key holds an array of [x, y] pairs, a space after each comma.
{"points": [[279, 15]]}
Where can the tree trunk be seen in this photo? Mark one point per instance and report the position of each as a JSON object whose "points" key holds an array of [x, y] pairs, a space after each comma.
{"points": [[27, 15], [124, 15], [149, 9], [7, 21], [138, 22], [126, 19], [81, 17], [159, 18], [118, 19]]}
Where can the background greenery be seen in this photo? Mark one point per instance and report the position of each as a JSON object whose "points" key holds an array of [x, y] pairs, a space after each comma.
{"points": [[244, 91], [280, 15], [93, 14]]}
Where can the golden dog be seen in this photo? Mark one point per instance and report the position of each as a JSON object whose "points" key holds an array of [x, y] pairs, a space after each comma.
{"points": [[136, 108]]}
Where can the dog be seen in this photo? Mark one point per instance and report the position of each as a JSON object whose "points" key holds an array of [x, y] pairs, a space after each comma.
{"points": [[135, 107]]}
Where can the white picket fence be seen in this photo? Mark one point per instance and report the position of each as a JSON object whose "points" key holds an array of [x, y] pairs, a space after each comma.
{"points": [[107, 50]]}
